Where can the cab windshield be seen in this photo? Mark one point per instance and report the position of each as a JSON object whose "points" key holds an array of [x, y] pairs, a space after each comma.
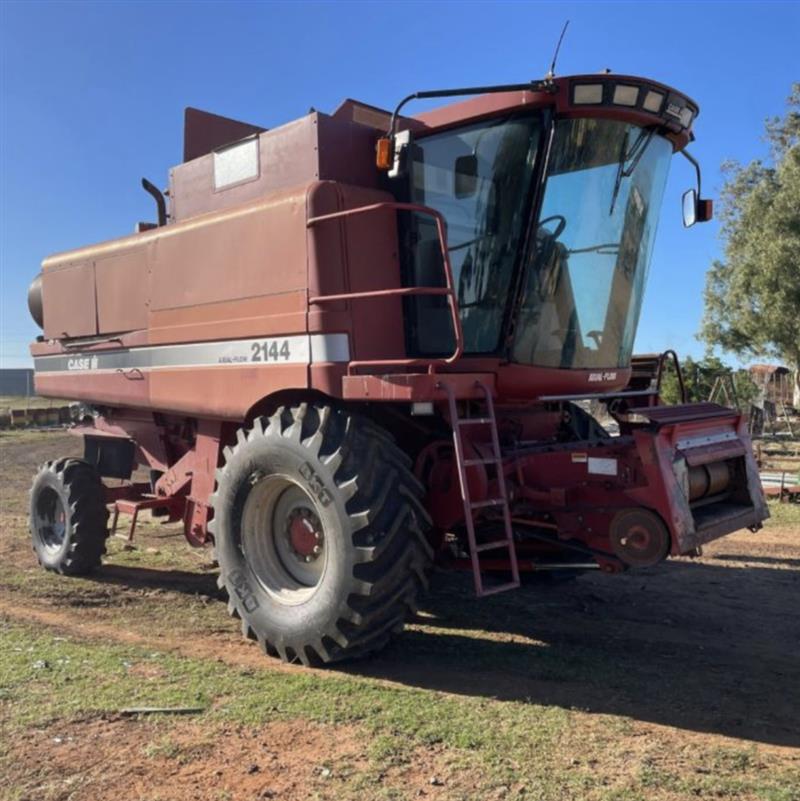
{"points": [[585, 276], [586, 260]]}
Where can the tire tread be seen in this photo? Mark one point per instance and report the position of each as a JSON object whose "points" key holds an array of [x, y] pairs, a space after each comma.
{"points": [[384, 502]]}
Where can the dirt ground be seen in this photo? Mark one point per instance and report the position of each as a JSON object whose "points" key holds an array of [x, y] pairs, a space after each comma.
{"points": [[681, 681], [112, 758]]}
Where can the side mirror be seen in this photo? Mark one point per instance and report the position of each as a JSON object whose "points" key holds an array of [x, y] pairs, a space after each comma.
{"points": [[696, 209], [466, 176], [689, 208]]}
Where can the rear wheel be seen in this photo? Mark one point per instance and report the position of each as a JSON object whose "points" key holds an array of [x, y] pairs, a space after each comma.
{"points": [[68, 517], [319, 532]]}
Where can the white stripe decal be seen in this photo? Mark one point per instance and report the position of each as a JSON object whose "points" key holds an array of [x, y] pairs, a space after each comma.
{"points": [[297, 349]]}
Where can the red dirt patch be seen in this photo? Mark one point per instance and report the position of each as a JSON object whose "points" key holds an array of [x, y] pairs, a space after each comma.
{"points": [[178, 760]]}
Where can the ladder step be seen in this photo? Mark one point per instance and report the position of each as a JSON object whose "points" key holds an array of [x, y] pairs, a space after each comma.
{"points": [[491, 546], [511, 585], [489, 502], [501, 502]]}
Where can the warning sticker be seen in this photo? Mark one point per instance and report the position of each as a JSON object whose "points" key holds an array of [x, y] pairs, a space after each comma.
{"points": [[579, 458], [602, 467]]}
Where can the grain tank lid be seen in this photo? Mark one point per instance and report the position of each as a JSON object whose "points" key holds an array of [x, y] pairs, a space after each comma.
{"points": [[204, 132]]}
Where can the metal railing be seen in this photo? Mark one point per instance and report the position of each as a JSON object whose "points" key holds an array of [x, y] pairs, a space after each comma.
{"points": [[448, 290]]}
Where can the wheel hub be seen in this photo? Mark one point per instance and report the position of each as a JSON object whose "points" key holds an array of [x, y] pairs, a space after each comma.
{"points": [[304, 534], [639, 537], [283, 539]]}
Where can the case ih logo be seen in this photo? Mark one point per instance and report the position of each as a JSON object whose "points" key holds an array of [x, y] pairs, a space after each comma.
{"points": [[82, 363]]}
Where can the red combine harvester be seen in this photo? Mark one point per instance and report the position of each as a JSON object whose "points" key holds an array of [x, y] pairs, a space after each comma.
{"points": [[341, 367]]}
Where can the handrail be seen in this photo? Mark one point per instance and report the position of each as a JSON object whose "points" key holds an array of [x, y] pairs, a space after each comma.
{"points": [[448, 290], [678, 372]]}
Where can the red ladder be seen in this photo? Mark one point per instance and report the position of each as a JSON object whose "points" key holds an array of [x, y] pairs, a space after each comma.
{"points": [[470, 506]]}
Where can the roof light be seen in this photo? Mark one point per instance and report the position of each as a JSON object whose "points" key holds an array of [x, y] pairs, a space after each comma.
{"points": [[653, 101], [683, 114], [625, 95], [673, 109], [587, 94]]}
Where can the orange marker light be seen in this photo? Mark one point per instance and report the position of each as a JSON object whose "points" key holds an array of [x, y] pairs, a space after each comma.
{"points": [[383, 153]]}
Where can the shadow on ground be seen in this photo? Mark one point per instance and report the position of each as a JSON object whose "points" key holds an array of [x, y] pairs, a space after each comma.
{"points": [[182, 581], [699, 646], [703, 646]]}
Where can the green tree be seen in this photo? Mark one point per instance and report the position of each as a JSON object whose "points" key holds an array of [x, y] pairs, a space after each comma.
{"points": [[752, 295], [700, 377]]}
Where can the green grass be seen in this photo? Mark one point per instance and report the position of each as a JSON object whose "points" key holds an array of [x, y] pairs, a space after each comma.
{"points": [[33, 402], [46, 678], [22, 436], [783, 514], [164, 747]]}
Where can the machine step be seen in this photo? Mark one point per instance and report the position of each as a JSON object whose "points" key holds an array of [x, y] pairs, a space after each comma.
{"points": [[132, 507], [487, 503], [493, 546], [470, 506]]}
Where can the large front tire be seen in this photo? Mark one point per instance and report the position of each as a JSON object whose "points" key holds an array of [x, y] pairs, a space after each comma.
{"points": [[319, 531]]}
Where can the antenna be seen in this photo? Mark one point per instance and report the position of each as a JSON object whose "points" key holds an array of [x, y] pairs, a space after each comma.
{"points": [[552, 71]]}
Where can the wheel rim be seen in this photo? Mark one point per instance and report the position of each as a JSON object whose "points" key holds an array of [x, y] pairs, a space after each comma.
{"points": [[50, 519], [283, 540], [639, 538]]}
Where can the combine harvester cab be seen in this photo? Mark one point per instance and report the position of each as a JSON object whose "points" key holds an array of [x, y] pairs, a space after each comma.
{"points": [[363, 342]]}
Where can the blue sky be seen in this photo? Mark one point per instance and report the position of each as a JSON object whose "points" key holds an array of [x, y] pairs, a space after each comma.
{"points": [[92, 98]]}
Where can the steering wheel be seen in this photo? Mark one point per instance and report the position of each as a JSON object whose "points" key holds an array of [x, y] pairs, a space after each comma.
{"points": [[468, 243], [562, 224], [596, 336]]}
